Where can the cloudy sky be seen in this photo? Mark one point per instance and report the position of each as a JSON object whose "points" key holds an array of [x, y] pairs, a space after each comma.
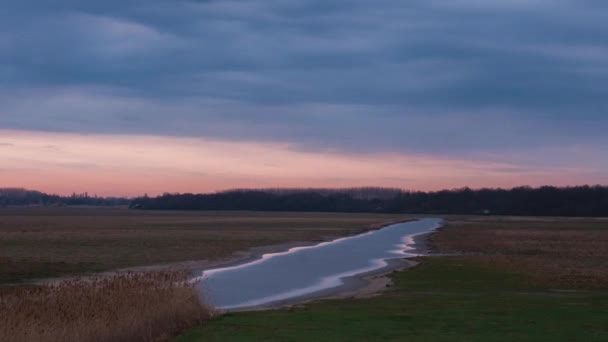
{"points": [[126, 97]]}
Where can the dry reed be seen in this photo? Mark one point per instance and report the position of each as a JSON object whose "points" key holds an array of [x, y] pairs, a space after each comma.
{"points": [[124, 307]]}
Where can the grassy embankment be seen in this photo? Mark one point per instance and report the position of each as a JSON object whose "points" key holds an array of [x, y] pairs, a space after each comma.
{"points": [[50, 242], [516, 279]]}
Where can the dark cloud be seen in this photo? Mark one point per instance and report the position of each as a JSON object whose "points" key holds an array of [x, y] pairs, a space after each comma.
{"points": [[441, 76]]}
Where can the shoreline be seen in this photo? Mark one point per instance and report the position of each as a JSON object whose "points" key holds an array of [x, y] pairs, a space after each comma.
{"points": [[364, 285], [253, 253], [378, 281], [237, 258]]}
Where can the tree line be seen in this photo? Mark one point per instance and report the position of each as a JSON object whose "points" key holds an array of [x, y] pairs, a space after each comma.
{"points": [[24, 197], [542, 201], [586, 200]]}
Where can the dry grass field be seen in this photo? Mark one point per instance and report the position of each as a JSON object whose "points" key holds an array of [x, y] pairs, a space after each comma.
{"points": [[552, 252], [49, 242]]}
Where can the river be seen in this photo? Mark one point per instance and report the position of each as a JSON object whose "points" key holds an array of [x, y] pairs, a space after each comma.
{"points": [[304, 271]]}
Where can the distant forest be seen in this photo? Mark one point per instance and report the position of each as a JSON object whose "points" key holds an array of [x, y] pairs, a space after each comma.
{"points": [[543, 201], [23, 197]]}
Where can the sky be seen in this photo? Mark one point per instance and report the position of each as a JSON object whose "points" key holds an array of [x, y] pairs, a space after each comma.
{"points": [[130, 97]]}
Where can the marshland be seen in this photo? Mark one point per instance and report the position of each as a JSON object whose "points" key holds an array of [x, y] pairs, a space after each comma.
{"points": [[486, 279], [113, 274]]}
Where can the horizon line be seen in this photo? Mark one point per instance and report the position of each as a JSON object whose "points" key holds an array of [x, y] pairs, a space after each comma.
{"points": [[304, 189]]}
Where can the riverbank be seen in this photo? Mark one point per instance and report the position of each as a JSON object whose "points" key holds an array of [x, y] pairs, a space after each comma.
{"points": [[66, 270], [256, 253], [496, 290], [237, 258], [369, 285], [368, 282], [48, 243]]}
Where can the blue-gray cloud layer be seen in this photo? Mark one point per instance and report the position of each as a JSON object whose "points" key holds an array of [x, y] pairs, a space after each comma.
{"points": [[388, 75]]}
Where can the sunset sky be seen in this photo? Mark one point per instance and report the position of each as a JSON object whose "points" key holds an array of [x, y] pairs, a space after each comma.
{"points": [[131, 97]]}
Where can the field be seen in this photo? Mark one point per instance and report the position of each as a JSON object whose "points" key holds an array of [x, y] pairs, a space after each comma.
{"points": [[38, 243], [565, 253], [495, 279], [490, 279]]}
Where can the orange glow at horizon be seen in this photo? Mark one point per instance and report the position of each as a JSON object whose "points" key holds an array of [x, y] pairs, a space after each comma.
{"points": [[122, 165]]}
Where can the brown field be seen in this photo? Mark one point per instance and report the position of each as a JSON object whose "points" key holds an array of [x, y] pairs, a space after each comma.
{"points": [[124, 307], [49, 242], [553, 252]]}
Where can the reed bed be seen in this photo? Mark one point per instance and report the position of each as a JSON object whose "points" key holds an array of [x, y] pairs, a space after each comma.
{"points": [[124, 307]]}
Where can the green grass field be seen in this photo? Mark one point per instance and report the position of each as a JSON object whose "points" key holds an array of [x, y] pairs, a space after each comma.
{"points": [[444, 299], [504, 287], [50, 242]]}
